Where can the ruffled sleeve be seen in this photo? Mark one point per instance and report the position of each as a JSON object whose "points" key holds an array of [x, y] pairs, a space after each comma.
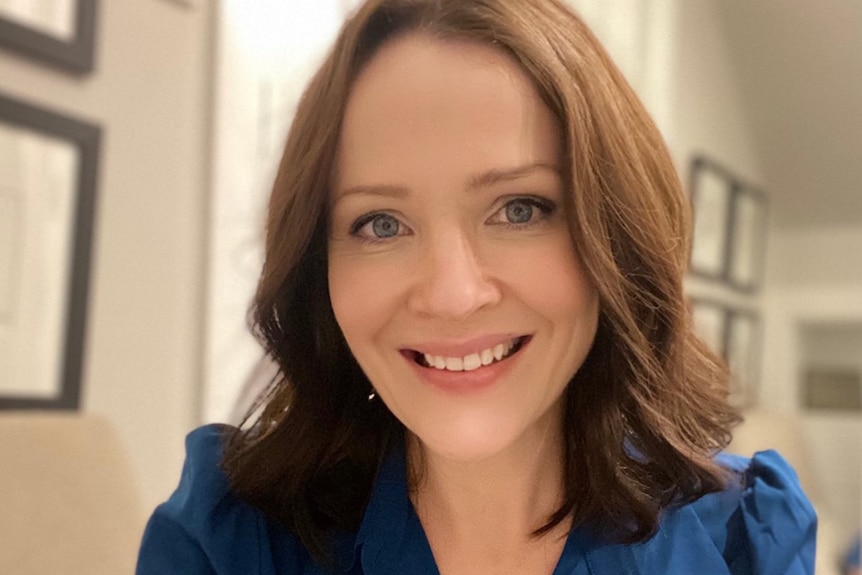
{"points": [[763, 524], [203, 529], [760, 524]]}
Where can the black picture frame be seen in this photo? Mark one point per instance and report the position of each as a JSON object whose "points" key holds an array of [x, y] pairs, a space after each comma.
{"points": [[730, 224], [85, 138], [734, 334], [75, 56], [711, 189], [748, 234]]}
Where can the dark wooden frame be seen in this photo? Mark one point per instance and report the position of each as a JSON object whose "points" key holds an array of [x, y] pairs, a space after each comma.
{"points": [[76, 56], [737, 191], [86, 137], [743, 191], [700, 168]]}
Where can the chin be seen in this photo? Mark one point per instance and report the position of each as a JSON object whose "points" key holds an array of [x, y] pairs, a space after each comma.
{"points": [[468, 442]]}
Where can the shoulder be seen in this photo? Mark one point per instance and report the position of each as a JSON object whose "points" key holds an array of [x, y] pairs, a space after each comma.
{"points": [[205, 528], [761, 523]]}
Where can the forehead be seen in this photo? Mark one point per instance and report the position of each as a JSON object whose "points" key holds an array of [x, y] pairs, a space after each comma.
{"points": [[425, 107]]}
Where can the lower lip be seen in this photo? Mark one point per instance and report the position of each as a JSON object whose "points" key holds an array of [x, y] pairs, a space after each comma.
{"points": [[466, 382]]}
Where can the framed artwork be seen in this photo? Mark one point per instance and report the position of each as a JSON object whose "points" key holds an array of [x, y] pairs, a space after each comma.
{"points": [[711, 198], [733, 334], [57, 32], [48, 177], [742, 348], [730, 225]]}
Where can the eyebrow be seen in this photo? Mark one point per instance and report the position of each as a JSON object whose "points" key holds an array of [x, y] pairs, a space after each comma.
{"points": [[475, 183], [492, 177]]}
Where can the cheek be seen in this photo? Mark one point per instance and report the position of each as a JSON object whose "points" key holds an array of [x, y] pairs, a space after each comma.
{"points": [[362, 294], [343, 293], [551, 277]]}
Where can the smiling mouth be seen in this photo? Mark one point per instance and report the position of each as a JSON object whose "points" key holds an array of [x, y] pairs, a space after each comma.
{"points": [[490, 356]]}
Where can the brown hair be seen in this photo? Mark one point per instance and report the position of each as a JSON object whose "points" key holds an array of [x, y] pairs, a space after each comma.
{"points": [[646, 412]]}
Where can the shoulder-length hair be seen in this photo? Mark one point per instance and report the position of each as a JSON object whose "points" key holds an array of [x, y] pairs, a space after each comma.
{"points": [[646, 412]]}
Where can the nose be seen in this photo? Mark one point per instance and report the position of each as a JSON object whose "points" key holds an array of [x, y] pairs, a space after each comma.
{"points": [[452, 282]]}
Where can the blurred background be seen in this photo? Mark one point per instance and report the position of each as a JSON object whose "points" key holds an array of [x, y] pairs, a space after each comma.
{"points": [[174, 126]]}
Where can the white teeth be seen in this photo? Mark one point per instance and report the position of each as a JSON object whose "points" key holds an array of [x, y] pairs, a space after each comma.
{"points": [[487, 356], [472, 361], [498, 351], [454, 364]]}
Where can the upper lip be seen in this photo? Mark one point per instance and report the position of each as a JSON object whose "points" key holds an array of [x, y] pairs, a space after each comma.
{"points": [[462, 347]]}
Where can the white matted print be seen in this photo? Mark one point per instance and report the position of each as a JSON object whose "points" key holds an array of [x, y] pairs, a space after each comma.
{"points": [[37, 207], [48, 176], [711, 204]]}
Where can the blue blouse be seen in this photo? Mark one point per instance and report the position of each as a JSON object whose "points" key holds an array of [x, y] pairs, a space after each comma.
{"points": [[761, 525]]}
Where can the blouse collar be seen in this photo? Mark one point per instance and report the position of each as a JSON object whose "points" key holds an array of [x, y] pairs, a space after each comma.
{"points": [[390, 538]]}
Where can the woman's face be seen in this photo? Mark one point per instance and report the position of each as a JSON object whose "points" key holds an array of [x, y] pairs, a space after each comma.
{"points": [[452, 273]]}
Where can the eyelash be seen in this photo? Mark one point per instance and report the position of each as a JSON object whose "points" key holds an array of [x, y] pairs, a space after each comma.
{"points": [[545, 207]]}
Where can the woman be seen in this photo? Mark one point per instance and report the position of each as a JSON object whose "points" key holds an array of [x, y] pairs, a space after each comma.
{"points": [[473, 290]]}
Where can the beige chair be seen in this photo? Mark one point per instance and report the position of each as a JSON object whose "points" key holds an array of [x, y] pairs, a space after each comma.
{"points": [[763, 430], [68, 500]]}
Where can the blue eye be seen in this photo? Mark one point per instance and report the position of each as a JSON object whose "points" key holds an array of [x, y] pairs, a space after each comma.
{"points": [[385, 226], [378, 226], [524, 212], [519, 211]]}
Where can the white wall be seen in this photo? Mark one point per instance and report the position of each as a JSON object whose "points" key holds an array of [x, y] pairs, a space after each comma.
{"points": [[150, 93], [706, 112], [267, 53], [710, 112], [640, 36], [836, 435], [814, 276], [676, 56]]}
